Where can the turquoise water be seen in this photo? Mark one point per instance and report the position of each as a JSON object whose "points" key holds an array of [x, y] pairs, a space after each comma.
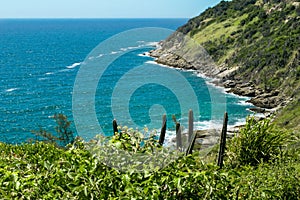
{"points": [[40, 59]]}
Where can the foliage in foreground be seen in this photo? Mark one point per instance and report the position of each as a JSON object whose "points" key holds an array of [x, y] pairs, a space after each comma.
{"points": [[44, 171]]}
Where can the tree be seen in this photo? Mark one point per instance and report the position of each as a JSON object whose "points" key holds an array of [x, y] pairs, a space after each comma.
{"points": [[63, 136]]}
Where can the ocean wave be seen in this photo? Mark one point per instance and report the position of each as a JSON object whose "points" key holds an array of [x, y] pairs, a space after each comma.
{"points": [[244, 103], [260, 115], [212, 85], [49, 73], [114, 52], [43, 78], [205, 125], [130, 48], [11, 89], [145, 54], [152, 44], [100, 55], [239, 122], [65, 70], [152, 62], [74, 65]]}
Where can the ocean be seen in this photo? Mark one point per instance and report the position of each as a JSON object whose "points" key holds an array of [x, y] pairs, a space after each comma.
{"points": [[40, 65]]}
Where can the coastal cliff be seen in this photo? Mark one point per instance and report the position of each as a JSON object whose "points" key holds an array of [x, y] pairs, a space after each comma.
{"points": [[250, 46]]}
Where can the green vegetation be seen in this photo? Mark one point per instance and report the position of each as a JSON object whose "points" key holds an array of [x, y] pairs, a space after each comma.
{"points": [[259, 38], [44, 171], [256, 143], [289, 117], [63, 135], [264, 36]]}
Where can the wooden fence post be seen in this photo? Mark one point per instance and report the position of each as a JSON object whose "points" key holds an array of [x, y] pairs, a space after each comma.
{"points": [[191, 125], [191, 144], [178, 136], [115, 127], [223, 141], [163, 130]]}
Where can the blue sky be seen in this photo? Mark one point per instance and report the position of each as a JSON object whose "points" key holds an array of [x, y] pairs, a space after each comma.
{"points": [[103, 8]]}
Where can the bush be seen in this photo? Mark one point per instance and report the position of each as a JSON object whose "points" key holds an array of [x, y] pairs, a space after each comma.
{"points": [[131, 150], [257, 142], [44, 171]]}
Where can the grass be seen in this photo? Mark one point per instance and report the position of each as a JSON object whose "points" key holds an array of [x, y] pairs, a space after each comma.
{"points": [[289, 116], [215, 30], [44, 171]]}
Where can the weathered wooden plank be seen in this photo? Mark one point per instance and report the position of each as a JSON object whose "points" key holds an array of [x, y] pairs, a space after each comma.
{"points": [[223, 141]]}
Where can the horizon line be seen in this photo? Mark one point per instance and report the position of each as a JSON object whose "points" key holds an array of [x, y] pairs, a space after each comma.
{"points": [[94, 18]]}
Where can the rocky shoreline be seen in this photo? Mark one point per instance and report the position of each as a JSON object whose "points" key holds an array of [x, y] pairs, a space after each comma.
{"points": [[265, 101]]}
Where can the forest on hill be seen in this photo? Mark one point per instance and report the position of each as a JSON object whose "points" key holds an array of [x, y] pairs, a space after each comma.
{"points": [[255, 45]]}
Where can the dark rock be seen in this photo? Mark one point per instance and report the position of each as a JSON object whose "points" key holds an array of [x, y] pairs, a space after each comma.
{"points": [[275, 93], [248, 84], [257, 110], [246, 91], [266, 102], [229, 84]]}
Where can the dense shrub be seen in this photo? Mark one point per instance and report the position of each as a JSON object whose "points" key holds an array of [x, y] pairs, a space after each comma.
{"points": [[43, 171], [256, 143]]}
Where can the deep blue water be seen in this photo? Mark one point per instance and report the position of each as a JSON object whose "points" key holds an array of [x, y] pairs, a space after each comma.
{"points": [[40, 59]]}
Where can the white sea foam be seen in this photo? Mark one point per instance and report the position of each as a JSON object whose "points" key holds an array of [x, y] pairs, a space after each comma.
{"points": [[74, 65], [49, 73], [42, 79], [260, 115], [244, 103], [145, 54], [152, 62], [239, 122], [205, 125], [114, 52], [169, 138], [153, 44], [65, 70], [100, 55], [11, 89], [219, 88], [130, 48]]}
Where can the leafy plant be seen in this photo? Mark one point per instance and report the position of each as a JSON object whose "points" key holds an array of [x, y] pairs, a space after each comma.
{"points": [[131, 150], [257, 142], [44, 171]]}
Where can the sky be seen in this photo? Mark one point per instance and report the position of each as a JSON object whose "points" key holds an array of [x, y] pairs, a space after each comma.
{"points": [[103, 8]]}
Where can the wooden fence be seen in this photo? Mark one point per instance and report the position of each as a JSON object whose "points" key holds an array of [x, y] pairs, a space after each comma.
{"points": [[191, 135]]}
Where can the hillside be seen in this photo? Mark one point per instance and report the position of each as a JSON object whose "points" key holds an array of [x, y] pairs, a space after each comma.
{"points": [[252, 46]]}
